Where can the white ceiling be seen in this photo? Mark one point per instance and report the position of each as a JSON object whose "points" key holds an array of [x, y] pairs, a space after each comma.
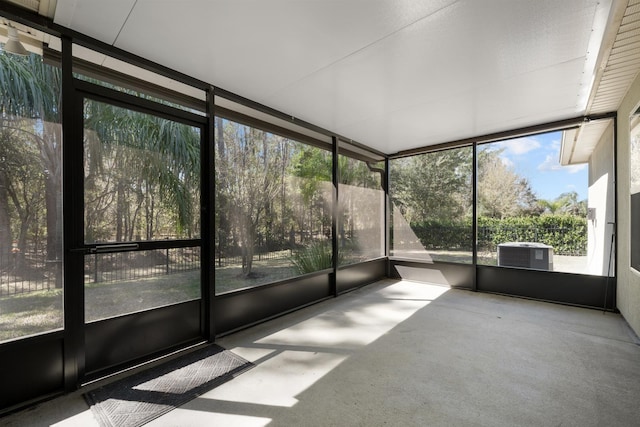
{"points": [[391, 74]]}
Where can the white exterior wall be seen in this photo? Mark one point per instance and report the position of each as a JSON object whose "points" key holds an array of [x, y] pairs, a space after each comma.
{"points": [[601, 198], [628, 294]]}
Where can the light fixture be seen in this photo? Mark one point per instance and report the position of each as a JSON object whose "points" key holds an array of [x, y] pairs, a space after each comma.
{"points": [[13, 44]]}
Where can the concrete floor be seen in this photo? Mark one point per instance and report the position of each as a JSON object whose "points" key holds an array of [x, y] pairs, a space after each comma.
{"points": [[399, 353]]}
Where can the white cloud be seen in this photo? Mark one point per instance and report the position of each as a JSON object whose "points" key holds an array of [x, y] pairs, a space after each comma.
{"points": [[519, 146], [551, 164], [575, 168], [507, 162]]}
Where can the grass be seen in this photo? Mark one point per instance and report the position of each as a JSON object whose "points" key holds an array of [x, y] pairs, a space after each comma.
{"points": [[36, 312], [121, 297], [41, 311], [266, 271], [30, 313]]}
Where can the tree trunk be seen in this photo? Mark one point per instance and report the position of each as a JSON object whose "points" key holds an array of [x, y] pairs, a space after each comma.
{"points": [[5, 224], [248, 247], [53, 202], [220, 199], [22, 241], [120, 204]]}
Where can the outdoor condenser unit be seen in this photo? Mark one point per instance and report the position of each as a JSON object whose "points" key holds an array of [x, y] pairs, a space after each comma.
{"points": [[526, 255]]}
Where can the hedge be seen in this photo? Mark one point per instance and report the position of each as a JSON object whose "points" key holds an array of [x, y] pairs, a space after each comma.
{"points": [[566, 233]]}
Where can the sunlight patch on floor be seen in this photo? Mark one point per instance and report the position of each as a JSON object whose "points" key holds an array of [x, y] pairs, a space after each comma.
{"points": [[293, 359], [363, 322], [252, 354], [278, 380], [186, 417], [407, 289], [83, 419]]}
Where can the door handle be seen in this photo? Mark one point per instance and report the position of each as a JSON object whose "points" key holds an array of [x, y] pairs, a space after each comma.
{"points": [[120, 247]]}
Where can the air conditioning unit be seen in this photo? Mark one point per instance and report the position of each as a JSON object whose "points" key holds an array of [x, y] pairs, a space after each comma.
{"points": [[525, 255]]}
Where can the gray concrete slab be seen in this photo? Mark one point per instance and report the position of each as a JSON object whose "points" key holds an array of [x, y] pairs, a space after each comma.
{"points": [[411, 354]]}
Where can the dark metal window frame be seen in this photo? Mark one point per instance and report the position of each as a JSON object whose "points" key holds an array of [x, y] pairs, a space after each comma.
{"points": [[70, 341], [337, 147], [357, 152], [85, 90], [436, 149], [76, 248], [580, 290]]}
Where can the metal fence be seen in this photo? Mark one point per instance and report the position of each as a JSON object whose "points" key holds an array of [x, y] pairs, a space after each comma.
{"points": [[130, 266], [30, 271]]}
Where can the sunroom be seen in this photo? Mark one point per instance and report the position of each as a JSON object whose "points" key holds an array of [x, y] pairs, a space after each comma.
{"points": [[175, 172]]}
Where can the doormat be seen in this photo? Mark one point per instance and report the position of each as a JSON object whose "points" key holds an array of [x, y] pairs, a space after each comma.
{"points": [[140, 398]]}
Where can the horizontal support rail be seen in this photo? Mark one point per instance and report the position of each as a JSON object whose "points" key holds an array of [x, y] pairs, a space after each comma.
{"points": [[121, 247]]}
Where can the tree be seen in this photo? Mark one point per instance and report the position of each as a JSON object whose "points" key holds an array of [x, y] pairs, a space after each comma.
{"points": [[501, 191], [247, 172], [311, 170], [141, 171], [30, 111], [141, 175], [433, 186], [565, 203], [21, 182], [314, 167]]}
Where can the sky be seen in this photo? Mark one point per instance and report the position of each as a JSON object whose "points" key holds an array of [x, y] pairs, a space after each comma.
{"points": [[537, 159]]}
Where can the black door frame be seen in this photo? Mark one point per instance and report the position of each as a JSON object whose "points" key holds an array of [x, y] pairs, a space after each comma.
{"points": [[179, 325]]}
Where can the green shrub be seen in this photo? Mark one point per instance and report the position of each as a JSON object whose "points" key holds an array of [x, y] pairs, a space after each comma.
{"points": [[436, 235], [317, 256], [566, 233]]}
